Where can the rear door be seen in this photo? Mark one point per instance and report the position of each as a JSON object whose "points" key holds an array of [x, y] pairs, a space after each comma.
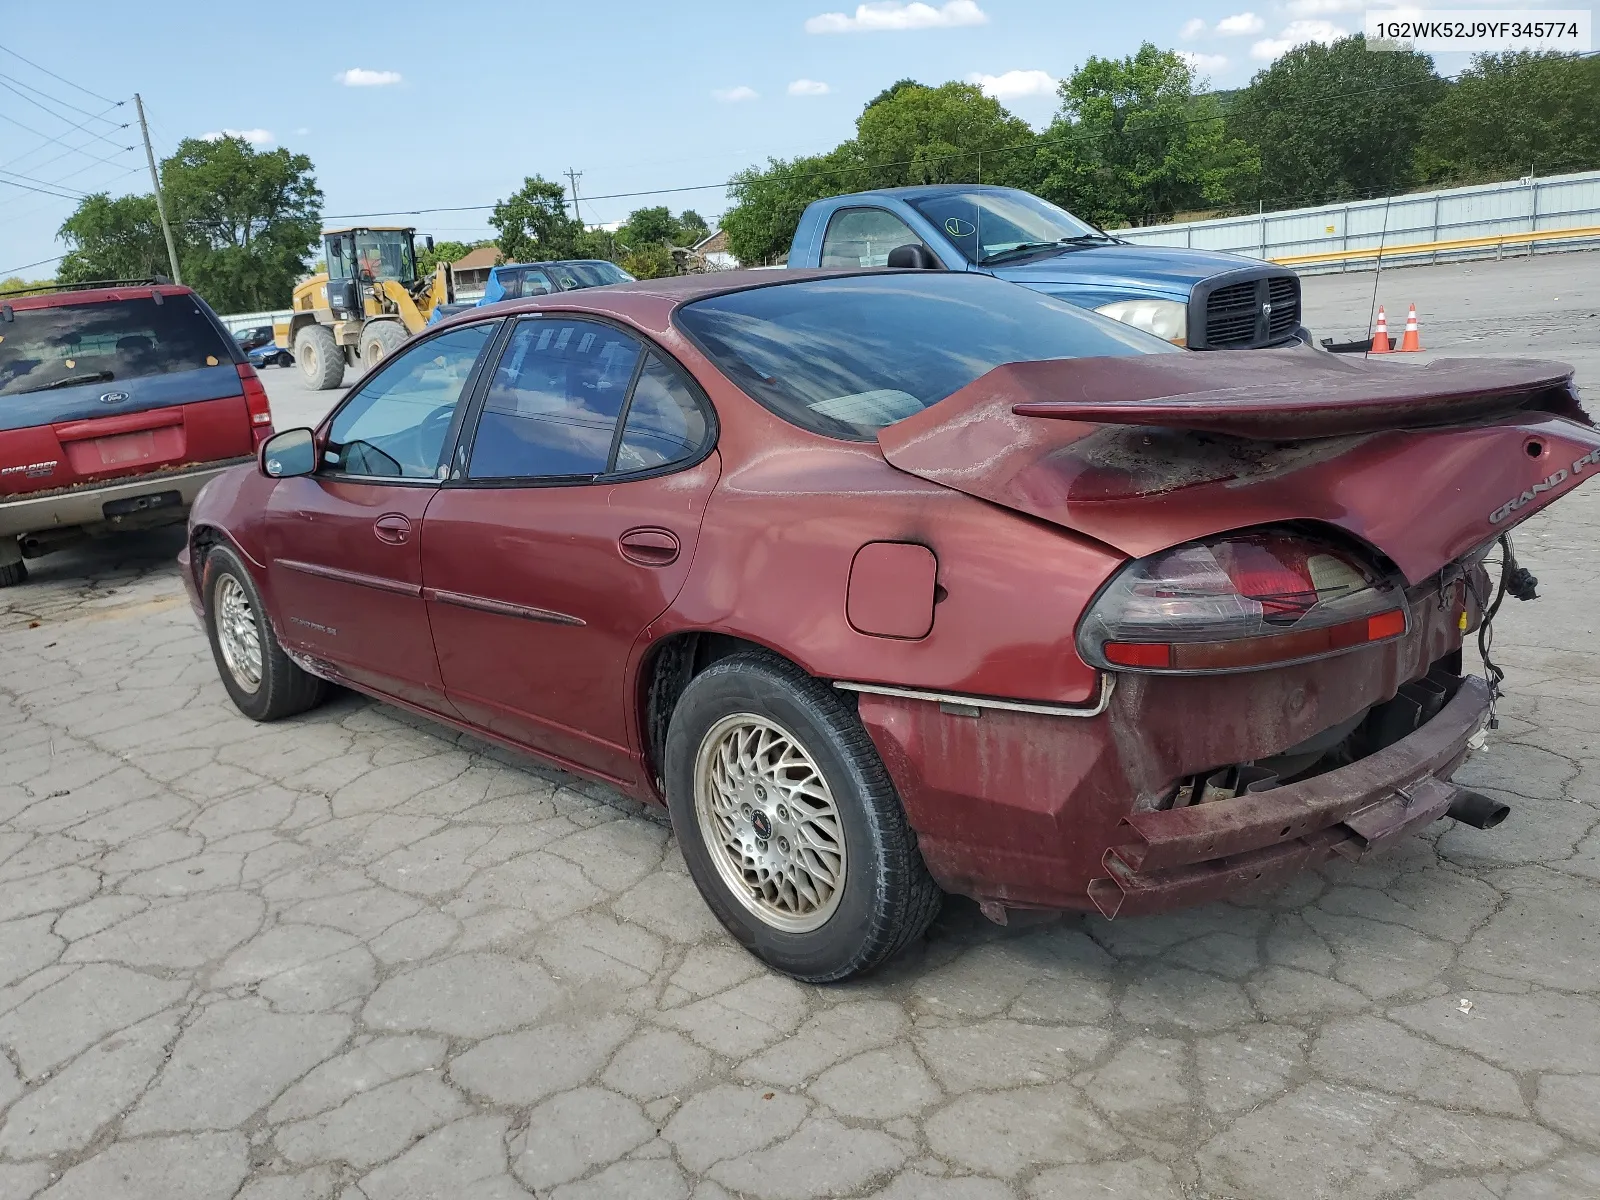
{"points": [[570, 528], [126, 383]]}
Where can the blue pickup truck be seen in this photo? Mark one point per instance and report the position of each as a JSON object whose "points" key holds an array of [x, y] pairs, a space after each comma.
{"points": [[1201, 299]]}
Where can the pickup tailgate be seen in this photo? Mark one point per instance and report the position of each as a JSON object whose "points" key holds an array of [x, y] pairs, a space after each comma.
{"points": [[103, 390], [1425, 463]]}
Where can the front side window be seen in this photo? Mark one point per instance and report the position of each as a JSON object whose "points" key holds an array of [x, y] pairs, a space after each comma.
{"points": [[385, 254], [849, 355], [396, 425], [521, 283], [665, 424], [863, 237], [552, 407]]}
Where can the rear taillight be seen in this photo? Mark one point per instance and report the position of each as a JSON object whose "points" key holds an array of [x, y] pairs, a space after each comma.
{"points": [[1238, 603], [256, 403]]}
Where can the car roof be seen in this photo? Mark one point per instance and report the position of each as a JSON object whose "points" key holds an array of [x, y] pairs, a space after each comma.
{"points": [[923, 190], [651, 302], [95, 295]]}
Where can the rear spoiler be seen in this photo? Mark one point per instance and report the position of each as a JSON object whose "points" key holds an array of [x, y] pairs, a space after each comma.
{"points": [[1283, 396]]}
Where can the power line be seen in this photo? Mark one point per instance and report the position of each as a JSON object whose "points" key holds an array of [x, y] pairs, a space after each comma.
{"points": [[47, 138], [63, 103], [25, 266], [83, 125], [42, 191], [70, 150], [53, 75], [51, 183]]}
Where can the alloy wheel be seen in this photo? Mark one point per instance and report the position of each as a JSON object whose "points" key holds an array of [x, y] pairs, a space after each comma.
{"points": [[237, 633], [769, 820]]}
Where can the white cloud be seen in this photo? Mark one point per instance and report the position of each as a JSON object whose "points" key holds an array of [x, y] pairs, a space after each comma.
{"points": [[808, 87], [1241, 24], [1298, 33], [1204, 64], [1192, 28], [735, 94], [256, 137], [895, 15], [362, 77], [1015, 84]]}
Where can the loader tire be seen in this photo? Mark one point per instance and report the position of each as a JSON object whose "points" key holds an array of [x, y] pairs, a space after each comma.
{"points": [[378, 341], [321, 358]]}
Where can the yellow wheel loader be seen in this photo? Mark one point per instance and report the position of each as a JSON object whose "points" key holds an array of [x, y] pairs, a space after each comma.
{"points": [[369, 300]]}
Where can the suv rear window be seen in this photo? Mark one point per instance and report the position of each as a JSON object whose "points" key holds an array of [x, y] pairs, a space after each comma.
{"points": [[848, 356], [68, 344]]}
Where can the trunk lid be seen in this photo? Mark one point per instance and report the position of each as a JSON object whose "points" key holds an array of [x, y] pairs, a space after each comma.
{"points": [[174, 394], [1423, 463]]}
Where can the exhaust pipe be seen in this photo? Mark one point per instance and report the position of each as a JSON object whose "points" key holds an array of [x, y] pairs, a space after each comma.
{"points": [[1477, 810]]}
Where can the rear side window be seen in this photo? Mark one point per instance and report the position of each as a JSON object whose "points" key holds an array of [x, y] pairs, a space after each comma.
{"points": [[847, 356], [70, 344], [665, 422], [552, 408]]}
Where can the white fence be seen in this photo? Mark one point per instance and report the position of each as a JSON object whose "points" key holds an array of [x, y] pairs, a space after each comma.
{"points": [[237, 321], [1527, 216]]}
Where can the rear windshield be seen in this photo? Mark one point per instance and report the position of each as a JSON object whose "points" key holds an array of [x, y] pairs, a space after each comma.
{"points": [[69, 344], [846, 357], [588, 274]]}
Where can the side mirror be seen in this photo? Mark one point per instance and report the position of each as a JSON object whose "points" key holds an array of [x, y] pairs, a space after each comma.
{"points": [[288, 454], [914, 255]]}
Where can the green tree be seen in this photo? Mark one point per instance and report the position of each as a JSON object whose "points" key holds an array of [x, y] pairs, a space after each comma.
{"points": [[244, 222], [1336, 122], [649, 260], [447, 251], [249, 219], [1135, 142], [14, 283], [534, 225], [112, 239], [1510, 114], [947, 134], [893, 90], [692, 226], [768, 201], [649, 226]]}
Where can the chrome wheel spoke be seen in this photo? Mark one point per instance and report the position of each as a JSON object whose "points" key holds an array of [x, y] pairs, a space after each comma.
{"points": [[770, 822], [238, 636]]}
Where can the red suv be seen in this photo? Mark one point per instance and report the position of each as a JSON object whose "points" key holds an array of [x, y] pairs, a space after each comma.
{"points": [[118, 401]]}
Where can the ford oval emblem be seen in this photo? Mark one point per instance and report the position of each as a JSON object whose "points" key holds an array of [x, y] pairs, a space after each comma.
{"points": [[113, 397], [956, 227]]}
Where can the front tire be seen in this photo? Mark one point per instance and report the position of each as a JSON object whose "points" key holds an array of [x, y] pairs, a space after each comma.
{"points": [[379, 340], [320, 357], [789, 823], [13, 573], [261, 680]]}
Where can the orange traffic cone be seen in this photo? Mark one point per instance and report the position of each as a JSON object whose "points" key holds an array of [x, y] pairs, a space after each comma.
{"points": [[1380, 336], [1412, 339]]}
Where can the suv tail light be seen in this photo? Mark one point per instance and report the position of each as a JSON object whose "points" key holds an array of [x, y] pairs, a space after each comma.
{"points": [[1239, 603], [256, 404]]}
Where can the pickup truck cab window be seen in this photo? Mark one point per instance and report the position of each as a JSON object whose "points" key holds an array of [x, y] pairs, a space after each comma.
{"points": [[863, 237]]}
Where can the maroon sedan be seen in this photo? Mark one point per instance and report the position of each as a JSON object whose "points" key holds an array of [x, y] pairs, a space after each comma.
{"points": [[896, 583]]}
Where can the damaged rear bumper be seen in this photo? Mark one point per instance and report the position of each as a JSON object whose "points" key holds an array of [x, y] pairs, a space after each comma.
{"points": [[1178, 857]]}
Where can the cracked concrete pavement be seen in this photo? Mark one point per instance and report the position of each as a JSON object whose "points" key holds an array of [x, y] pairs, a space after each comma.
{"points": [[354, 955]]}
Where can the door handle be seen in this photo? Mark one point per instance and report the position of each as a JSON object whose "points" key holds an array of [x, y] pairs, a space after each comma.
{"points": [[392, 528], [649, 547]]}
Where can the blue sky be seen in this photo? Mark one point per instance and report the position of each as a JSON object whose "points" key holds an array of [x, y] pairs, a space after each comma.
{"points": [[421, 105]]}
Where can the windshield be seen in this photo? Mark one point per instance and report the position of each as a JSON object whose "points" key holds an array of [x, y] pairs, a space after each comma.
{"points": [[70, 344], [983, 224], [588, 274], [385, 254], [847, 356]]}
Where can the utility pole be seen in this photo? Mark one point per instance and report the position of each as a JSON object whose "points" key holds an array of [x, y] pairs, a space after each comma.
{"points": [[155, 182], [572, 178]]}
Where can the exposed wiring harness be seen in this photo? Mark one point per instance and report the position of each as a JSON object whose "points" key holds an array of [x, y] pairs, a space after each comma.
{"points": [[1519, 582]]}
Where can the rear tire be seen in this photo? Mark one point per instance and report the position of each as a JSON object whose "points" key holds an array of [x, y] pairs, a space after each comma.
{"points": [[261, 680], [789, 823], [14, 572], [378, 341], [321, 358]]}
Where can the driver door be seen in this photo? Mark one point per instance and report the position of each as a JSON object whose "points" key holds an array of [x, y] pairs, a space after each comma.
{"points": [[345, 545]]}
